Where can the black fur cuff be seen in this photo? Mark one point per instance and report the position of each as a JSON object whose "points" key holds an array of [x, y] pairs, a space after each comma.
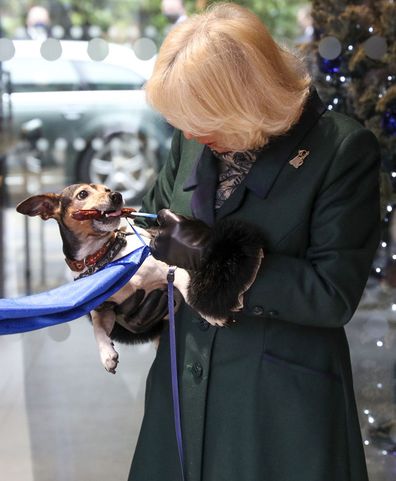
{"points": [[229, 268]]}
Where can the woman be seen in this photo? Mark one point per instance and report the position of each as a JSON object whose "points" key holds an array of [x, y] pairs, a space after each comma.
{"points": [[270, 397]]}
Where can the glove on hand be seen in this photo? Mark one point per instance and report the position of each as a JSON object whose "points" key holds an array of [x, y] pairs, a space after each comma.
{"points": [[143, 316], [180, 241], [222, 260]]}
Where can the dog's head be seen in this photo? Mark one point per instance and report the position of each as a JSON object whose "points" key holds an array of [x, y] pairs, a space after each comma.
{"points": [[72, 199]]}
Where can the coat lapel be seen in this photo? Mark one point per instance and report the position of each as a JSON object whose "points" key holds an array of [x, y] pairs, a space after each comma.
{"points": [[271, 160], [203, 179], [263, 174]]}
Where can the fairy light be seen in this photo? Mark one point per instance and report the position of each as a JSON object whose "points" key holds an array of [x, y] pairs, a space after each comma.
{"points": [[371, 29], [371, 420], [335, 101], [393, 307], [350, 47], [384, 244], [379, 385], [378, 270], [394, 256], [366, 442], [389, 208], [366, 411], [393, 174], [342, 78], [329, 107], [380, 343], [328, 78]]}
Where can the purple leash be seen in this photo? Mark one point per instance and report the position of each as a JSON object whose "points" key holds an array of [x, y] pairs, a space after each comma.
{"points": [[175, 382], [172, 340]]}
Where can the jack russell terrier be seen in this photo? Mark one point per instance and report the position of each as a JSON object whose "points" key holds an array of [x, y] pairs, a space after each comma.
{"points": [[89, 218]]}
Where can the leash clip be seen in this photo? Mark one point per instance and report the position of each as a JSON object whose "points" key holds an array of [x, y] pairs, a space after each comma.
{"points": [[171, 274]]}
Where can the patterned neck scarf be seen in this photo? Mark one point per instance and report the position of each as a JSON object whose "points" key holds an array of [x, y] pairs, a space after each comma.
{"points": [[233, 168]]}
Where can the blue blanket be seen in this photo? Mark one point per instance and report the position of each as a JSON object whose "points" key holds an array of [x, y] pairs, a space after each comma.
{"points": [[71, 300]]}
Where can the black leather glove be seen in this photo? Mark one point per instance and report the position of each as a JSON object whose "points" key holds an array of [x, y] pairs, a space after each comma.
{"points": [[222, 260], [141, 313], [180, 241], [141, 318]]}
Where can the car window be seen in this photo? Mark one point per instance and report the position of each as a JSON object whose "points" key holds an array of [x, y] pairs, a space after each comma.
{"points": [[40, 75], [102, 76]]}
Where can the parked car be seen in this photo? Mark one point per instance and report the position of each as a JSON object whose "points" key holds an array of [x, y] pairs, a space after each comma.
{"points": [[95, 120]]}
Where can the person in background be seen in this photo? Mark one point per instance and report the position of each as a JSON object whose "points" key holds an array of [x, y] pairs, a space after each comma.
{"points": [[304, 20], [173, 10], [38, 23], [268, 193]]}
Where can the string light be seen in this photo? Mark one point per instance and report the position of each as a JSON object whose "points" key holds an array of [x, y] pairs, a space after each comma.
{"points": [[371, 420], [389, 208], [384, 244], [342, 78], [380, 343]]}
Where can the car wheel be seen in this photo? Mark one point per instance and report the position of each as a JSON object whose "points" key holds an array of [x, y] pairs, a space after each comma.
{"points": [[124, 161]]}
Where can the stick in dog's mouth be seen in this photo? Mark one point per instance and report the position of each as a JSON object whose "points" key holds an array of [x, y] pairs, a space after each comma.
{"points": [[89, 214]]}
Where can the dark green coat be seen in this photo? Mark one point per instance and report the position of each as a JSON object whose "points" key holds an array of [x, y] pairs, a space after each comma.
{"points": [[271, 397]]}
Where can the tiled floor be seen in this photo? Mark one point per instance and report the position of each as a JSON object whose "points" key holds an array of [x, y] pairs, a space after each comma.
{"points": [[63, 418]]}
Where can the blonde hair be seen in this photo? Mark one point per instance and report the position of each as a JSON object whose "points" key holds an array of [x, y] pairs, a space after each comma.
{"points": [[221, 72]]}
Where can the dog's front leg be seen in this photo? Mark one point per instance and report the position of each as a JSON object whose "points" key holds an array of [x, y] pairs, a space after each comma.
{"points": [[103, 323]]}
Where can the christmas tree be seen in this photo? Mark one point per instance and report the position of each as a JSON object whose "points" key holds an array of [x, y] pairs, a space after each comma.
{"points": [[353, 61]]}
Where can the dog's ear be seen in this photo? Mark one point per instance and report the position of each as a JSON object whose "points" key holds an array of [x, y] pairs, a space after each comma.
{"points": [[47, 206]]}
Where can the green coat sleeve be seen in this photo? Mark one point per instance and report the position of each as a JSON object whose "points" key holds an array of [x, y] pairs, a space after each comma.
{"points": [[159, 196], [324, 287]]}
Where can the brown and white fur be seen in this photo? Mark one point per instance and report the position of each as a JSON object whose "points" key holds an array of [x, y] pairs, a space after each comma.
{"points": [[85, 238]]}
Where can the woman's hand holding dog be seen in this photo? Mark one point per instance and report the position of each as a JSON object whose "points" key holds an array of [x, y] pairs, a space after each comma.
{"points": [[143, 313]]}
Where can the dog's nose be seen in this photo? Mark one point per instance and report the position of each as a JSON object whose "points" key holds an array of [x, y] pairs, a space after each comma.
{"points": [[116, 197]]}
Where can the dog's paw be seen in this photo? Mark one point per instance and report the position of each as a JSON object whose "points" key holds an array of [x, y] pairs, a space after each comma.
{"points": [[109, 358]]}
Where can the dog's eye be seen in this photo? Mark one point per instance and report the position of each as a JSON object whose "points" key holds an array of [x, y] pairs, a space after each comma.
{"points": [[83, 194]]}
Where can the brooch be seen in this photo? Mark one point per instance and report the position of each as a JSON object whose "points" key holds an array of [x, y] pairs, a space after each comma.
{"points": [[298, 160]]}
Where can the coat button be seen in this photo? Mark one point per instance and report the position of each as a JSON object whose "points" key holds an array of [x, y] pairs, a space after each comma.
{"points": [[258, 311], [197, 370]]}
